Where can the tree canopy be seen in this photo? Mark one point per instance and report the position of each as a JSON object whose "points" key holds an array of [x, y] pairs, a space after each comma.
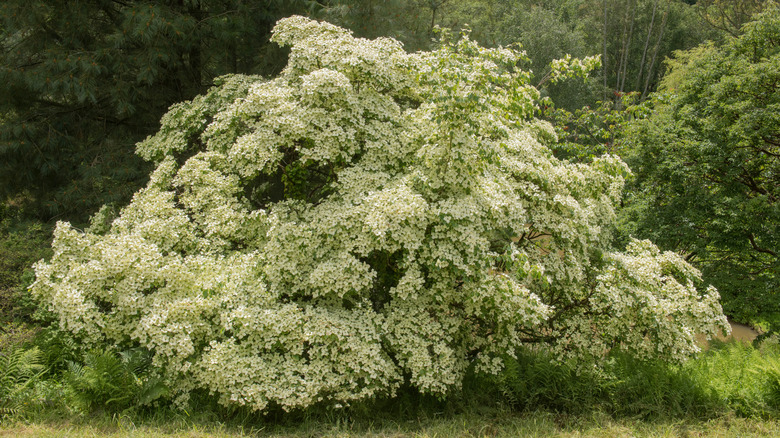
{"points": [[707, 160], [369, 217]]}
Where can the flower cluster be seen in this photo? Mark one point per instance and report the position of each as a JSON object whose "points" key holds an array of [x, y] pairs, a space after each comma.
{"points": [[367, 215]]}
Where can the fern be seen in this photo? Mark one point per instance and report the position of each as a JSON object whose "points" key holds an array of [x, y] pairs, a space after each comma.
{"points": [[112, 381], [19, 369], [58, 349]]}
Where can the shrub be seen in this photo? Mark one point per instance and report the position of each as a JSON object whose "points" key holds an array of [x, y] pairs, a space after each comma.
{"points": [[368, 218], [21, 244]]}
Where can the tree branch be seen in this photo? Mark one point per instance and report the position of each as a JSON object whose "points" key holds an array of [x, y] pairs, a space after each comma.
{"points": [[758, 248]]}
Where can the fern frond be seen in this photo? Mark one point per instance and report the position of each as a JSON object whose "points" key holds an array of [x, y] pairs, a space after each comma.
{"points": [[8, 409], [18, 370]]}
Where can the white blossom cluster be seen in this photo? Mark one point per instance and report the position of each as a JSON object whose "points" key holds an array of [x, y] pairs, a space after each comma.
{"points": [[368, 216], [568, 67]]}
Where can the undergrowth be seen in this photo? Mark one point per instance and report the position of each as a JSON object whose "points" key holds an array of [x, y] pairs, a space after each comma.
{"points": [[729, 379]]}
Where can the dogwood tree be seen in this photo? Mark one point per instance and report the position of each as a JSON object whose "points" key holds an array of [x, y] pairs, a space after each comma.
{"points": [[367, 218]]}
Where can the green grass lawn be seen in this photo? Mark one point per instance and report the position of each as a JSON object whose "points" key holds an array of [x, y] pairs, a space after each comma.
{"points": [[497, 424]]}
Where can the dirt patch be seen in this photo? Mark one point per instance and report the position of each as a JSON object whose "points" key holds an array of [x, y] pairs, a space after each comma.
{"points": [[740, 332]]}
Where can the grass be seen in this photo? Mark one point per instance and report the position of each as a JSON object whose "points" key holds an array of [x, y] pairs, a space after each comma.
{"points": [[499, 424]]}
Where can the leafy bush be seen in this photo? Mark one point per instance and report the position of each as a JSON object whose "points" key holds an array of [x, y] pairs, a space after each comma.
{"points": [[590, 132], [368, 219], [21, 244], [58, 348]]}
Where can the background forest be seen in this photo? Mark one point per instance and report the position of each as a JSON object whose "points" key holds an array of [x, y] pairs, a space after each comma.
{"points": [[687, 95]]}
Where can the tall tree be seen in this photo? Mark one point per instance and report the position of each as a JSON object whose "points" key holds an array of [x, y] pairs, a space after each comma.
{"points": [[638, 36], [708, 166], [728, 16]]}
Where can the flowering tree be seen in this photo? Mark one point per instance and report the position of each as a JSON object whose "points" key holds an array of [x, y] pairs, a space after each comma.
{"points": [[368, 216]]}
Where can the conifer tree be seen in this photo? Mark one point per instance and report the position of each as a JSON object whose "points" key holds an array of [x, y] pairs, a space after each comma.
{"points": [[82, 82]]}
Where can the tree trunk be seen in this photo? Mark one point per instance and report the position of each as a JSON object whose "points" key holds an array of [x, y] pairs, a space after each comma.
{"points": [[628, 49], [604, 61], [655, 54], [619, 66], [647, 45]]}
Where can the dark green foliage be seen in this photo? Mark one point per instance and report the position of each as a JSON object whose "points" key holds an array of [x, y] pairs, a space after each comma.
{"points": [[627, 387], [82, 82], [707, 161], [409, 21], [534, 381], [22, 243], [58, 349], [590, 132], [105, 380]]}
